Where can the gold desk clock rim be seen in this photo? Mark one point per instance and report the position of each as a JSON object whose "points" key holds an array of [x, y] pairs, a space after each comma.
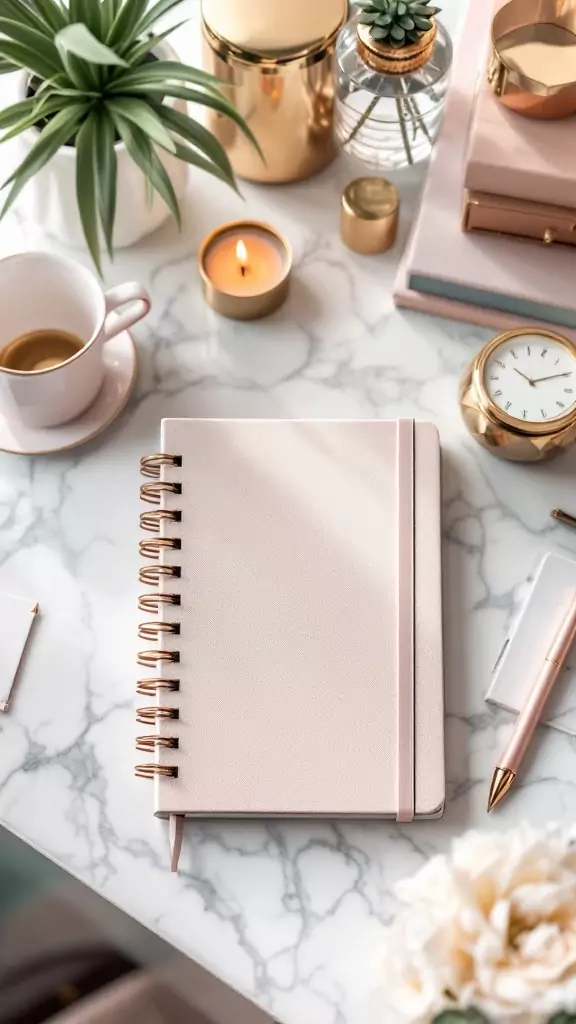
{"points": [[490, 409]]}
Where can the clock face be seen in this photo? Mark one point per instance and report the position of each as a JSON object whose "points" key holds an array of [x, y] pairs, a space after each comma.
{"points": [[532, 378]]}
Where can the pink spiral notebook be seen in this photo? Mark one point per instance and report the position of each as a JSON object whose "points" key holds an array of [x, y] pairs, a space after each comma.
{"points": [[297, 668]]}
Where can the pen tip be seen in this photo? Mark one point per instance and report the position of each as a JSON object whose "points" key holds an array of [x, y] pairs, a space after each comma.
{"points": [[502, 780]]}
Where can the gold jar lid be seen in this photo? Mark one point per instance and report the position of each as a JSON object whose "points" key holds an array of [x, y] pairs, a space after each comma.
{"points": [[391, 60], [369, 220]]}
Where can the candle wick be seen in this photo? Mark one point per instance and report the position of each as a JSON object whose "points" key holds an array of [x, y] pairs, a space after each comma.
{"points": [[243, 270]]}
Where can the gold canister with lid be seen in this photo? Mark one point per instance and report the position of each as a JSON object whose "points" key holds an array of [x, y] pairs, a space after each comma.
{"points": [[279, 73], [369, 215]]}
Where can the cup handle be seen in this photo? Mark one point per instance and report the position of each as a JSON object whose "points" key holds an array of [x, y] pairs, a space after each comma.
{"points": [[139, 307]]}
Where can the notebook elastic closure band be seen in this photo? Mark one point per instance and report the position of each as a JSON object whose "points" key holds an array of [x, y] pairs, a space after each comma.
{"points": [[405, 605]]}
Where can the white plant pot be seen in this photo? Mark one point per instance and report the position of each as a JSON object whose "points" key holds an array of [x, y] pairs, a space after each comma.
{"points": [[50, 197]]}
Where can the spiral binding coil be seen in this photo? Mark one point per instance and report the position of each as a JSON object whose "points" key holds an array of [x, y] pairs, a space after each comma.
{"points": [[151, 575]]}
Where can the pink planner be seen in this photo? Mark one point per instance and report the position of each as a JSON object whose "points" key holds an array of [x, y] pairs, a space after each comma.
{"points": [[294, 666]]}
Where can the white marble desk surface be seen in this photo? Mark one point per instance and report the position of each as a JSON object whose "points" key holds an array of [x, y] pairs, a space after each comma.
{"points": [[289, 914]]}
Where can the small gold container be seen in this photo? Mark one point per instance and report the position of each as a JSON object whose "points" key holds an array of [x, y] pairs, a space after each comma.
{"points": [[245, 268], [387, 60], [369, 215], [533, 65], [287, 99]]}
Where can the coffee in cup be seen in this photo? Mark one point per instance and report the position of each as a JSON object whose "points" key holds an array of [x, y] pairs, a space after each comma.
{"points": [[40, 350]]}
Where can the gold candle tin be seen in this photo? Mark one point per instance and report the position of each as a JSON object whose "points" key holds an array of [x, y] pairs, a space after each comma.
{"points": [[264, 270], [369, 215], [533, 65], [287, 98]]}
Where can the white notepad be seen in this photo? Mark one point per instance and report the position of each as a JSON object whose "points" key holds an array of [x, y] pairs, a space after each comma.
{"points": [[302, 615], [529, 641]]}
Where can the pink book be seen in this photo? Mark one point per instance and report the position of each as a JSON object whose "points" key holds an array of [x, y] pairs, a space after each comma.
{"points": [[485, 279], [519, 156], [304, 557]]}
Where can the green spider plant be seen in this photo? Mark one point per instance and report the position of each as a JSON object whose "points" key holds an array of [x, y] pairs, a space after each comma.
{"points": [[94, 81]]}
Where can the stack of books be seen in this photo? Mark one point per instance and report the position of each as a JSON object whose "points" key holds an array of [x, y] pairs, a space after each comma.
{"points": [[485, 247]]}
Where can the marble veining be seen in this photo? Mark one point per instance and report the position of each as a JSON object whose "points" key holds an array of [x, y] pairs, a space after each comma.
{"points": [[291, 914]]}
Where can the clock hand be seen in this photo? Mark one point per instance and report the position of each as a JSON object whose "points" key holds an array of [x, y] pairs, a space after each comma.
{"points": [[554, 376], [531, 382]]}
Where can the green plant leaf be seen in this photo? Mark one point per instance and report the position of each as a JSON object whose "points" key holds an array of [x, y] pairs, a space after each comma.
{"points": [[125, 24], [17, 10], [6, 68], [471, 1016], [145, 46], [107, 172], [164, 71], [195, 159], [33, 40], [144, 156], [195, 133], [144, 117], [159, 10], [86, 188], [88, 13], [21, 56], [48, 104], [56, 134], [563, 1018], [76, 39], [216, 102], [51, 13], [16, 111]]}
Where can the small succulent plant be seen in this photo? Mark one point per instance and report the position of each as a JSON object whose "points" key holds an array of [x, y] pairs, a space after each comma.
{"points": [[397, 23]]}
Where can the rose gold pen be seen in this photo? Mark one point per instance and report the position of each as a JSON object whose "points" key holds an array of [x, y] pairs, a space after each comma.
{"points": [[555, 662]]}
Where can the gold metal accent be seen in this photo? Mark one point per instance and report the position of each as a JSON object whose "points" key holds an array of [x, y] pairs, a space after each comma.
{"points": [[151, 574], [150, 521], [151, 465], [150, 687], [502, 780], [152, 771], [154, 630], [150, 659], [152, 493], [388, 60], [504, 435], [152, 548], [36, 609], [532, 70], [287, 99], [147, 716], [564, 517], [245, 307], [369, 215], [505, 216], [151, 743], [151, 602]]}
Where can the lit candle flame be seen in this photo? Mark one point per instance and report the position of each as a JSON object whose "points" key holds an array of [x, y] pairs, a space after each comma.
{"points": [[242, 257]]}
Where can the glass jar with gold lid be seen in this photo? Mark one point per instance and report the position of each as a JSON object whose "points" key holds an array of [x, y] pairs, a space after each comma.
{"points": [[390, 100]]}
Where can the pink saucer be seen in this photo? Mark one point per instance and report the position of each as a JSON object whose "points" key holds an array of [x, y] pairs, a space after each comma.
{"points": [[121, 364]]}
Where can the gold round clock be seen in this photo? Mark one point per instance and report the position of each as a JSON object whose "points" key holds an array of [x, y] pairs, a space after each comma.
{"points": [[518, 398]]}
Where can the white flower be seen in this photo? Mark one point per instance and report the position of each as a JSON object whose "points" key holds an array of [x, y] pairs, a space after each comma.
{"points": [[492, 926]]}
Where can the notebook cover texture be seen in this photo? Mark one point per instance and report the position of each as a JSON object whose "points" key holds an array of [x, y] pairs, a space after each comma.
{"points": [[486, 279], [528, 644], [310, 647]]}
